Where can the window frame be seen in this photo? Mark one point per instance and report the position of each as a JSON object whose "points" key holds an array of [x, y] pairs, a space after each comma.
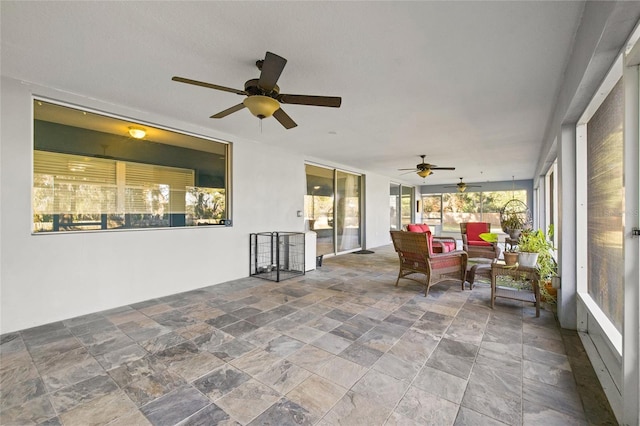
{"points": [[194, 142]]}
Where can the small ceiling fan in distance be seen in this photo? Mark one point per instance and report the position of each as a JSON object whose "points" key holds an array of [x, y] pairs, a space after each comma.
{"points": [[425, 169], [462, 186], [263, 97]]}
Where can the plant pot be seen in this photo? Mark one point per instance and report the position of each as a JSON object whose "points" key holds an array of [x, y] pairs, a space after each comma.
{"points": [[514, 234], [510, 258], [528, 259], [550, 294]]}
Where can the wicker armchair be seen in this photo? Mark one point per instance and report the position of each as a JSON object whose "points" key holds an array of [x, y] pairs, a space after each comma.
{"points": [[417, 257], [474, 245]]}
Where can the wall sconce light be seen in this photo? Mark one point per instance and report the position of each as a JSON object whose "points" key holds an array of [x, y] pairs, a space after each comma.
{"points": [[137, 132]]}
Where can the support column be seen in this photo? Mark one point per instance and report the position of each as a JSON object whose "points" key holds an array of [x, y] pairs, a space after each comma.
{"points": [[566, 227]]}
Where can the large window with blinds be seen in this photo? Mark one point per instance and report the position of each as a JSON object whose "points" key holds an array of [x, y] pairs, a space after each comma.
{"points": [[90, 173]]}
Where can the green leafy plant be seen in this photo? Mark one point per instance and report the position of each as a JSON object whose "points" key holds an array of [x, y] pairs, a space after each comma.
{"points": [[513, 221], [539, 242], [490, 237]]}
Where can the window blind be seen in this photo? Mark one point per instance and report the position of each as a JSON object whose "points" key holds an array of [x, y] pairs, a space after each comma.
{"points": [[605, 200]]}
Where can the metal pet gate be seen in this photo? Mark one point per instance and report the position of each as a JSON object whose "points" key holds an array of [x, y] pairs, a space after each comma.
{"points": [[277, 256]]}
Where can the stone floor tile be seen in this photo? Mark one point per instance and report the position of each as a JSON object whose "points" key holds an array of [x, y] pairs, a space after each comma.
{"points": [[232, 349], [284, 413], [120, 356], [468, 417], [310, 357], [248, 401], [316, 395], [283, 346], [208, 416], [16, 367], [381, 388], [211, 341], [548, 374], [354, 409], [175, 406], [188, 361], [19, 393], [82, 392], [441, 384], [341, 371], [221, 381], [32, 411], [454, 357], [427, 408], [283, 376], [331, 343], [557, 399], [102, 410], [534, 414], [480, 397], [305, 334]]}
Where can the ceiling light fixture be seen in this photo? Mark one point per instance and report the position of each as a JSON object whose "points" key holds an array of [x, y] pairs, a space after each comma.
{"points": [[137, 132], [261, 106], [424, 173]]}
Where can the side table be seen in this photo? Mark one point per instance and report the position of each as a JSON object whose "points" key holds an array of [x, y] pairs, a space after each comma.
{"points": [[508, 293]]}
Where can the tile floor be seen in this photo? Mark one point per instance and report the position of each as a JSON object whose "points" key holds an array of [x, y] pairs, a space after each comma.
{"points": [[340, 345]]}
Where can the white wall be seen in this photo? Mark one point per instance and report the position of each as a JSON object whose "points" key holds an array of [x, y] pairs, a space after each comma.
{"points": [[46, 278], [378, 218]]}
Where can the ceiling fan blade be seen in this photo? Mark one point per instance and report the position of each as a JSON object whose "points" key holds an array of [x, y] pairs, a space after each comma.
{"points": [[272, 67], [413, 169], [208, 85], [325, 101], [284, 119], [228, 111], [442, 168]]}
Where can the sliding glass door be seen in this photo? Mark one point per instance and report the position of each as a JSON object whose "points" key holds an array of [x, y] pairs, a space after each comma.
{"points": [[332, 209], [401, 202], [347, 211]]}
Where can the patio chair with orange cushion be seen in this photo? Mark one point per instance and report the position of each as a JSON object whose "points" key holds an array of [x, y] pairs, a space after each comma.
{"points": [[476, 246], [416, 257], [438, 244]]}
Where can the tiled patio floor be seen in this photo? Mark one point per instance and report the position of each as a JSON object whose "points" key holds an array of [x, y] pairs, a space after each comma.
{"points": [[340, 345]]}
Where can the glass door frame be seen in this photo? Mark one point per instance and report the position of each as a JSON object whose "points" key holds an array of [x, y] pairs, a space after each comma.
{"points": [[335, 171]]}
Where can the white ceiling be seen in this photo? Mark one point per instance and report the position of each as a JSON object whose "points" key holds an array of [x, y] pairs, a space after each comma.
{"points": [[470, 84]]}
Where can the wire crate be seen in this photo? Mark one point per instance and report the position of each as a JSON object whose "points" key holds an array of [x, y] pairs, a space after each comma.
{"points": [[277, 256]]}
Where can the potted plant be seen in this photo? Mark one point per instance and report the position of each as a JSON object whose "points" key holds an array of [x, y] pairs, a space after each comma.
{"points": [[511, 256], [513, 225], [539, 245]]}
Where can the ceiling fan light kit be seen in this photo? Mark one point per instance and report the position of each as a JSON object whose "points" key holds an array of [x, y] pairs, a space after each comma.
{"points": [[263, 97], [261, 106], [462, 186], [424, 173]]}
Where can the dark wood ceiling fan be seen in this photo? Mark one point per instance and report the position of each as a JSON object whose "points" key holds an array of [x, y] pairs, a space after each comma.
{"points": [[425, 169], [263, 97]]}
